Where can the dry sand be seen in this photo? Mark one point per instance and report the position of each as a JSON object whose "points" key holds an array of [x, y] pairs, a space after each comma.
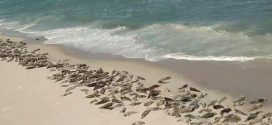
{"points": [[29, 98]]}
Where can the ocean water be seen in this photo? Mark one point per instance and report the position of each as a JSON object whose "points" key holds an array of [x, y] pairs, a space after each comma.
{"points": [[215, 30]]}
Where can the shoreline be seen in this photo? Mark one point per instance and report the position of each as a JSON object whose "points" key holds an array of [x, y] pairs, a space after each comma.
{"points": [[250, 78], [151, 71]]}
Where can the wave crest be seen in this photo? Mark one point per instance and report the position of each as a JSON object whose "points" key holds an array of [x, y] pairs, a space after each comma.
{"points": [[180, 56]]}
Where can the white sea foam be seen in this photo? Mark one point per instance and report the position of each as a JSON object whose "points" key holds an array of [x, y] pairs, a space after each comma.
{"points": [[16, 26], [25, 27], [99, 40], [9, 25], [159, 41], [156, 42], [180, 56]]}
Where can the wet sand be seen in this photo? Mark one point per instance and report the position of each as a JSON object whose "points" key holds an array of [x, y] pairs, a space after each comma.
{"points": [[252, 79]]}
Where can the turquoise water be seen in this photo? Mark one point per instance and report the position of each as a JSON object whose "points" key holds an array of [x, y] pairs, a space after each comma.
{"points": [[221, 30]]}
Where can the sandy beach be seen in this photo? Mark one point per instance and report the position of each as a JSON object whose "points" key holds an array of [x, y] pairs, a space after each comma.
{"points": [[135, 62], [28, 97]]}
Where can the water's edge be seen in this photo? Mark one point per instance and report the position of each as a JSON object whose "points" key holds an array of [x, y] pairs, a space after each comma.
{"points": [[250, 78]]}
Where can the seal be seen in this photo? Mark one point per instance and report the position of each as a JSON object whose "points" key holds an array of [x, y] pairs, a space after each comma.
{"points": [[208, 115], [138, 123], [194, 89], [231, 118], [107, 106], [148, 103], [135, 103], [252, 116], [145, 113], [129, 113], [225, 110], [163, 80]]}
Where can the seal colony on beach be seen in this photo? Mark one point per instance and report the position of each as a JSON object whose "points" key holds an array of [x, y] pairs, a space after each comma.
{"points": [[121, 91]]}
